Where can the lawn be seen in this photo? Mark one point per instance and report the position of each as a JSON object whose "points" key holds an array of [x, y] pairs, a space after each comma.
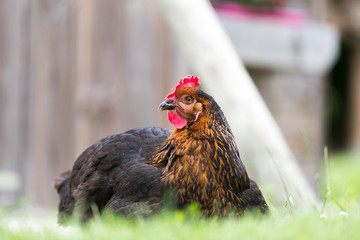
{"points": [[340, 219]]}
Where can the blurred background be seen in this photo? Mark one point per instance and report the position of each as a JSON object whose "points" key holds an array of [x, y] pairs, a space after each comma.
{"points": [[75, 71]]}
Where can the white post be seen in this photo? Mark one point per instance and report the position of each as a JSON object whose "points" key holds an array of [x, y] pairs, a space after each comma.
{"points": [[211, 55]]}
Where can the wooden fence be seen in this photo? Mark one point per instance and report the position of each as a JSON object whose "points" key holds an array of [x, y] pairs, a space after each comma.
{"points": [[72, 72]]}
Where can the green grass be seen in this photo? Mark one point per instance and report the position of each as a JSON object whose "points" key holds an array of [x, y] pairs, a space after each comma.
{"points": [[340, 220]]}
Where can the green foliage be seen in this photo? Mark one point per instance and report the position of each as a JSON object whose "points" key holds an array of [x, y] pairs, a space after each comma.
{"points": [[345, 180], [181, 225], [339, 220]]}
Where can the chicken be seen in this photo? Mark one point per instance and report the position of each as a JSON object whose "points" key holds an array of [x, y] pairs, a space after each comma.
{"points": [[129, 172]]}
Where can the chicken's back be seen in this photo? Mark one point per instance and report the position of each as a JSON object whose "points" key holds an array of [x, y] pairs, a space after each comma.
{"points": [[114, 173]]}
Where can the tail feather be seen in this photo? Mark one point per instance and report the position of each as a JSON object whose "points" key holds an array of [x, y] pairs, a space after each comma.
{"points": [[254, 198], [62, 186], [60, 180]]}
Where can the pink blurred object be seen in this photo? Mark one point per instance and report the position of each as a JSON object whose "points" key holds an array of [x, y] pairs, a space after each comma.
{"points": [[277, 15]]}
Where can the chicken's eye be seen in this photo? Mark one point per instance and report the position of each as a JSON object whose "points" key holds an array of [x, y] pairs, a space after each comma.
{"points": [[189, 99]]}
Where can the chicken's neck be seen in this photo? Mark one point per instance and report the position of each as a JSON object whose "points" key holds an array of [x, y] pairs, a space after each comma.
{"points": [[202, 163]]}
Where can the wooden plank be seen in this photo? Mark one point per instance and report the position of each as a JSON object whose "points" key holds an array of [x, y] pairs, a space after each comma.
{"points": [[40, 101], [4, 200], [109, 61], [170, 64], [139, 67], [2, 80], [84, 63], [51, 135], [15, 81], [355, 100], [62, 84]]}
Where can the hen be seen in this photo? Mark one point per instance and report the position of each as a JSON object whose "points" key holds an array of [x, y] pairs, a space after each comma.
{"points": [[130, 171]]}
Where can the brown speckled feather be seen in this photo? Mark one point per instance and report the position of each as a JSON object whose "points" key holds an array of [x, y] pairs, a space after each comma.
{"points": [[202, 162]]}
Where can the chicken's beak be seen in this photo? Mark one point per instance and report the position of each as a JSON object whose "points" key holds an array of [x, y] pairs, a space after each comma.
{"points": [[167, 105]]}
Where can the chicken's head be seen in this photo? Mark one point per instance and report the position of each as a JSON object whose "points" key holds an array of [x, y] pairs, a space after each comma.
{"points": [[181, 103]]}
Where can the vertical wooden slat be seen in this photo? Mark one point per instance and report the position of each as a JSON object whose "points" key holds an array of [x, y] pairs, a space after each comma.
{"points": [[14, 81], [40, 97], [355, 99], [84, 59], [139, 65], [52, 106], [107, 69], [163, 47], [2, 80], [169, 66], [61, 134]]}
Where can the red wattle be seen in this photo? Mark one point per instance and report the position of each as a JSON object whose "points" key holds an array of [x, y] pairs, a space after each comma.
{"points": [[176, 120]]}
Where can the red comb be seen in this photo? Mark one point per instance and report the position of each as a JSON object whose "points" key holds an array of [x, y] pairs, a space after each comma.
{"points": [[190, 81]]}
